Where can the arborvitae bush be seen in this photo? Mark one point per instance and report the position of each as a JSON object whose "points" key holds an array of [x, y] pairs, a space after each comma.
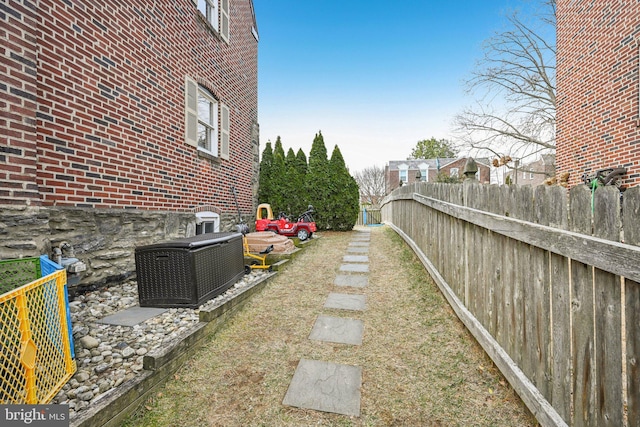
{"points": [[318, 181], [264, 183], [344, 194], [294, 184], [289, 184], [279, 195]]}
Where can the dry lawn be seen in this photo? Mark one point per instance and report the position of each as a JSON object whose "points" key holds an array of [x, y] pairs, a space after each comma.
{"points": [[420, 366]]}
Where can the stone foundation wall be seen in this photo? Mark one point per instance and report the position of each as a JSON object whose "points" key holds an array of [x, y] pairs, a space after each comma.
{"points": [[104, 239]]}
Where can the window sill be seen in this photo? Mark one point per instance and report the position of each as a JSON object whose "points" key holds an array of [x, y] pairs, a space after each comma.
{"points": [[209, 27], [207, 155]]}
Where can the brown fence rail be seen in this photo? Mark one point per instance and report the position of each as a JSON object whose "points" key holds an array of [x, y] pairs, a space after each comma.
{"points": [[547, 281]]}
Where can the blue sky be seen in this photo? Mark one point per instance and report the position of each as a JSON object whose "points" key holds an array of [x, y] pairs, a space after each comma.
{"points": [[374, 76]]}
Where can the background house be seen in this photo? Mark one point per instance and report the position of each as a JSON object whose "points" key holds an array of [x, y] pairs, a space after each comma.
{"points": [[126, 123], [427, 170], [533, 173], [598, 115]]}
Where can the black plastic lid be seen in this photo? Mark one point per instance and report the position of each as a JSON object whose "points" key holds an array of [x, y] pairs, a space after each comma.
{"points": [[195, 241]]}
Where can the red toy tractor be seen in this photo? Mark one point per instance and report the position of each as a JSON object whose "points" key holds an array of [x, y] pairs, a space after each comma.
{"points": [[303, 228]]}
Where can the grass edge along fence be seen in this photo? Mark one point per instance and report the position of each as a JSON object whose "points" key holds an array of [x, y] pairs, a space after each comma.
{"points": [[36, 354], [547, 280]]}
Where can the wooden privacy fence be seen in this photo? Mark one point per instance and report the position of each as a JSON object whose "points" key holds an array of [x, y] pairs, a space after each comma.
{"points": [[547, 282]]}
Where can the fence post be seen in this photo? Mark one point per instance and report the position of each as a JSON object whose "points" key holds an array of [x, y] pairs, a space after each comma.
{"points": [[470, 169]]}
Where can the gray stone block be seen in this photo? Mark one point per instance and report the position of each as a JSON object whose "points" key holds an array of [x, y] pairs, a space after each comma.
{"points": [[346, 301], [355, 258], [131, 316], [325, 386], [354, 268], [353, 280], [337, 330], [361, 244], [357, 249]]}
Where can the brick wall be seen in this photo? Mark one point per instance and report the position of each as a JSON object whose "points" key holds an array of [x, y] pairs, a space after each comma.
{"points": [[18, 82], [484, 172], [598, 88], [109, 119]]}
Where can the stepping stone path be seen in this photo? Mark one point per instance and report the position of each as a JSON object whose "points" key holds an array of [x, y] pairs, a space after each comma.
{"points": [[327, 386]]}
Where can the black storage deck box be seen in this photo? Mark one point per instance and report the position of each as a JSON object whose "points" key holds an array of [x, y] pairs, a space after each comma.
{"points": [[188, 272]]}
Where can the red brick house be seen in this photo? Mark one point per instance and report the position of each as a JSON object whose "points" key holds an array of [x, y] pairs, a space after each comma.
{"points": [[533, 173], [598, 118], [427, 170], [138, 107]]}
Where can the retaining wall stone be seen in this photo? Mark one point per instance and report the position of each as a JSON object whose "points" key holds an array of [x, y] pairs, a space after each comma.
{"points": [[104, 239]]}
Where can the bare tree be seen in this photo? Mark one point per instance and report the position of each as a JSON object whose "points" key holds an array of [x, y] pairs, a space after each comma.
{"points": [[371, 181], [515, 89]]}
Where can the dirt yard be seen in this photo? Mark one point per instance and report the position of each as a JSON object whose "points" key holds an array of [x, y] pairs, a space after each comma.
{"points": [[420, 366]]}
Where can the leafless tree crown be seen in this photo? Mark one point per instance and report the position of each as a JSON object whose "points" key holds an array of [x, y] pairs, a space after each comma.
{"points": [[514, 87], [372, 185]]}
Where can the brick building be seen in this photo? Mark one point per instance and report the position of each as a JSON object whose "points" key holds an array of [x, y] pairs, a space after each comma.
{"points": [[427, 170], [533, 173], [598, 120], [138, 110]]}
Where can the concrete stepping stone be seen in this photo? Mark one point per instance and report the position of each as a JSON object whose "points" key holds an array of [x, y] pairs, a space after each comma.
{"points": [[132, 316], [326, 387], [337, 330], [355, 258], [355, 268], [358, 249], [355, 281], [346, 301], [359, 244]]}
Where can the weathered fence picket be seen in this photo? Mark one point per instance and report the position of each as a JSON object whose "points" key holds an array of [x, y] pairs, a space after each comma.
{"points": [[607, 319], [561, 368], [547, 281], [631, 227], [582, 312]]}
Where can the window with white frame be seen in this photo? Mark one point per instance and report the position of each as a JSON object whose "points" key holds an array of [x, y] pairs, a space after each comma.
{"points": [[207, 222], [207, 121], [404, 174], [209, 8], [216, 12], [453, 172], [424, 173]]}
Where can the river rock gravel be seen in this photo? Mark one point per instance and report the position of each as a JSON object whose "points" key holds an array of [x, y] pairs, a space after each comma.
{"points": [[108, 355]]}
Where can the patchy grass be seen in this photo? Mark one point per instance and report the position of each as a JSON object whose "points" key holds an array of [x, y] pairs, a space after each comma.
{"points": [[420, 365]]}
